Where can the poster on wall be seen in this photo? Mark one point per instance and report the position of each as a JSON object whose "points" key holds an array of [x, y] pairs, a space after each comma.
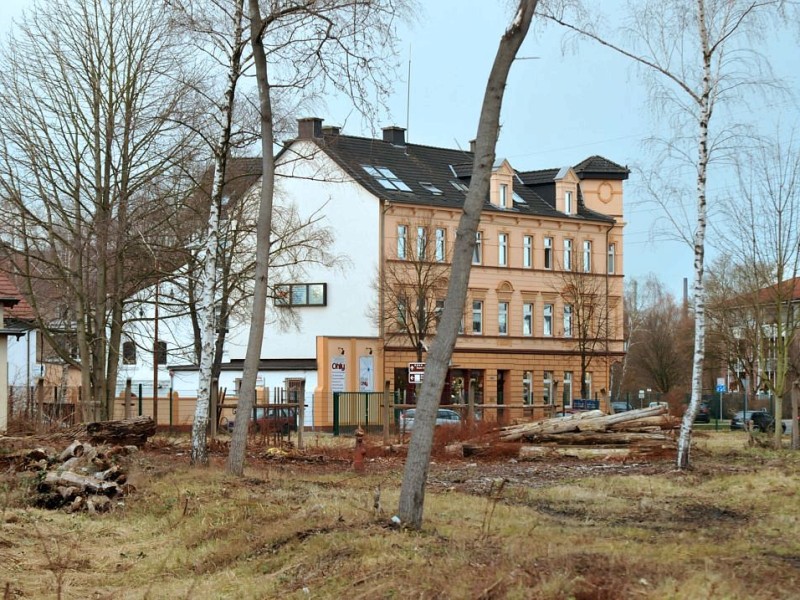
{"points": [[338, 374], [365, 373]]}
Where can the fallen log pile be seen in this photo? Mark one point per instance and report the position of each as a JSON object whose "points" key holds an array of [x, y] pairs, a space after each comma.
{"points": [[643, 432], [81, 477]]}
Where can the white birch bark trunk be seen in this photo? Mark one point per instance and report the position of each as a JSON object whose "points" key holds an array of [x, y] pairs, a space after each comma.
{"points": [[685, 439], [412, 493], [199, 426], [199, 454]]}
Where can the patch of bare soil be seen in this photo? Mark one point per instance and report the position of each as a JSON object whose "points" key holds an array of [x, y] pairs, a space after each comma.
{"points": [[476, 477]]}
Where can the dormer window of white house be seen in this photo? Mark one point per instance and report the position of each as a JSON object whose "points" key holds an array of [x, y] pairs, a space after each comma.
{"points": [[503, 195], [568, 203], [386, 178]]}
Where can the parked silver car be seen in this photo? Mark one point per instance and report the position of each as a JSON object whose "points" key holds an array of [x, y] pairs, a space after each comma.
{"points": [[444, 416]]}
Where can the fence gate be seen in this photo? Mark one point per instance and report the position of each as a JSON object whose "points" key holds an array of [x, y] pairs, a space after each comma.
{"points": [[351, 409]]}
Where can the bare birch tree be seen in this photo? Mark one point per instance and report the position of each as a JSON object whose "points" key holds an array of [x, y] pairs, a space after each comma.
{"points": [[90, 167], [415, 475], [305, 47], [221, 23], [697, 56]]}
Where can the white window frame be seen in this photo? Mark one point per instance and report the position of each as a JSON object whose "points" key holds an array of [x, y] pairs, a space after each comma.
{"points": [[567, 392], [568, 202], [588, 386], [568, 320], [567, 254], [527, 319], [547, 319], [441, 244], [477, 317], [422, 243], [612, 259], [548, 253], [437, 311], [527, 251], [477, 253], [502, 250], [587, 256], [402, 241], [504, 195], [547, 395], [402, 313], [502, 318], [527, 387]]}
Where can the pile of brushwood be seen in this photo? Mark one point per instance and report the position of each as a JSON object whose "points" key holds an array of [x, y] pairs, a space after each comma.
{"points": [[644, 432]]}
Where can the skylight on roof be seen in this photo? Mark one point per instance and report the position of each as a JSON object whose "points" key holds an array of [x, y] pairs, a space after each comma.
{"points": [[460, 185], [431, 188], [517, 198], [386, 178]]}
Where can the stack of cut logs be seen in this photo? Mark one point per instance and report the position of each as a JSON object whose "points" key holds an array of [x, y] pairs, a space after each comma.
{"points": [[80, 478], [647, 431]]}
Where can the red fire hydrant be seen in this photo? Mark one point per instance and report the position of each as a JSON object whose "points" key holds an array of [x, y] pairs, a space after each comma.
{"points": [[359, 452]]}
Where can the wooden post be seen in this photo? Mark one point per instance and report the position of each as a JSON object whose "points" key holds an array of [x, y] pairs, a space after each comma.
{"points": [[40, 404], [471, 405], [301, 419], [386, 407], [127, 399], [212, 411]]}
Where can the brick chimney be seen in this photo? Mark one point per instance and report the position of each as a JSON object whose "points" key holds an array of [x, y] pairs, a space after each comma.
{"points": [[472, 146], [309, 127], [394, 135], [331, 130]]}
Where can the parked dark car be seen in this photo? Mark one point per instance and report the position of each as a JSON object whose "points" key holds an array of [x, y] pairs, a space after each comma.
{"points": [[619, 406], [271, 420], [762, 420], [703, 414]]}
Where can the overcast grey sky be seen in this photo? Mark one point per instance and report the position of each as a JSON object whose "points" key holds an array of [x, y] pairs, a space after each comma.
{"points": [[559, 108]]}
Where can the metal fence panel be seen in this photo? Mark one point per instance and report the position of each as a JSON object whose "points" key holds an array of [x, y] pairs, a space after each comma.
{"points": [[354, 409]]}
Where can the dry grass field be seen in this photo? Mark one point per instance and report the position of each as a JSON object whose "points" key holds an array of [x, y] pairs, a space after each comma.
{"points": [[309, 527]]}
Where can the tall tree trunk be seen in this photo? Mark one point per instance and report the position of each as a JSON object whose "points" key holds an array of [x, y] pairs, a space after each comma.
{"points": [[685, 439], [199, 454], [263, 234], [412, 493]]}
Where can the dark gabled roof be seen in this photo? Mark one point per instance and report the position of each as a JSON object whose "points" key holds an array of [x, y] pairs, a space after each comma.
{"points": [[542, 176], [414, 164], [597, 167]]}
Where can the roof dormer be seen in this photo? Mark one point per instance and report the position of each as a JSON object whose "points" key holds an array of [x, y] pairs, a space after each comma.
{"points": [[567, 191], [501, 188]]}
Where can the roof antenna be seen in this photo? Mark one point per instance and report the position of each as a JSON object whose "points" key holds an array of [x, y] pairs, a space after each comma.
{"points": [[408, 100]]}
